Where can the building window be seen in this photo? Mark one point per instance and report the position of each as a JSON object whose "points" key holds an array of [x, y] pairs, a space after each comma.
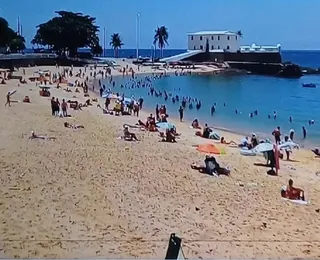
{"points": [[194, 47], [201, 47], [218, 38], [228, 47], [218, 47], [191, 38], [228, 38], [212, 38], [212, 47], [200, 38]]}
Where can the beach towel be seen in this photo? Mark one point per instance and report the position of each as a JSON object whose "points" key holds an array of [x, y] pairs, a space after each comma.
{"points": [[302, 202]]}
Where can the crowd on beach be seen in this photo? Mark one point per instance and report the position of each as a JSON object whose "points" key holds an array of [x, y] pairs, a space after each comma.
{"points": [[159, 122]]}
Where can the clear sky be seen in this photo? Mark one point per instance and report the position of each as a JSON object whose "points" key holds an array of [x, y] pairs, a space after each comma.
{"points": [[292, 23]]}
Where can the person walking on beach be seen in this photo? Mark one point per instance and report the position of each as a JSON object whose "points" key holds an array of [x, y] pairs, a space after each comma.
{"points": [[276, 133], [53, 106], [181, 113], [304, 132], [64, 107], [8, 100]]}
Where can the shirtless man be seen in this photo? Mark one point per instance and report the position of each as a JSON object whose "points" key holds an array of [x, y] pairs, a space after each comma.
{"points": [[8, 100], [292, 193]]}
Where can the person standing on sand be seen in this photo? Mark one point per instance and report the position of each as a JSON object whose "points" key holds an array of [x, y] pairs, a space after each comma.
{"points": [[53, 106], [276, 133], [181, 113], [8, 100], [64, 107]]}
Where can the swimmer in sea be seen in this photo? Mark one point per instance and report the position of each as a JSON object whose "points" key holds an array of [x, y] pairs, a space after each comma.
{"points": [[290, 119], [274, 115], [304, 132]]}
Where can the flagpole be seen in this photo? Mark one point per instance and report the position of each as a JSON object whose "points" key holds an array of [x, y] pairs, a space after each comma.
{"points": [[104, 41], [18, 31], [138, 34]]}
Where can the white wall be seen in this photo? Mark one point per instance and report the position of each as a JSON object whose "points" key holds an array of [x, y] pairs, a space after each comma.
{"points": [[222, 42]]}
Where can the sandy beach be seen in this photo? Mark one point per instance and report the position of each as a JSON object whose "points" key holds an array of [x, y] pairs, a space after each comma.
{"points": [[89, 194]]}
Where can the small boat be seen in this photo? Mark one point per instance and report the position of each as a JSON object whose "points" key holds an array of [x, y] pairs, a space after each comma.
{"points": [[309, 85]]}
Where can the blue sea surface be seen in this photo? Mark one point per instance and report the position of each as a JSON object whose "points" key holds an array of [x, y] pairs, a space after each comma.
{"points": [[247, 93]]}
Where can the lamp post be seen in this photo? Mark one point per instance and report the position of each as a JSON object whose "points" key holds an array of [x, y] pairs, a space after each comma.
{"points": [[138, 34], [104, 41]]}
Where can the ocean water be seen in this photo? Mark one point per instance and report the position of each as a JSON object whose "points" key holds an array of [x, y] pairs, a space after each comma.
{"points": [[247, 93]]}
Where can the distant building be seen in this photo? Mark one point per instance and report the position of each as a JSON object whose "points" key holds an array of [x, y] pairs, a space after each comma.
{"points": [[218, 41]]}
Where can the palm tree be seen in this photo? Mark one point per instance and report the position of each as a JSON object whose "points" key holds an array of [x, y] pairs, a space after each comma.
{"points": [[161, 37], [239, 33], [116, 43]]}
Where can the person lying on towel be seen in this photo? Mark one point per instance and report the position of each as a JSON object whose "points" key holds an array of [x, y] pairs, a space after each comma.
{"points": [[291, 192]]}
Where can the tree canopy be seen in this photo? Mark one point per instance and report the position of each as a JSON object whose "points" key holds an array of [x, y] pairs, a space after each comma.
{"points": [[161, 37], [68, 32], [10, 38], [116, 43]]}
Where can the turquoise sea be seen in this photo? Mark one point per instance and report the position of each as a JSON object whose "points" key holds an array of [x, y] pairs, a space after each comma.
{"points": [[246, 93]]}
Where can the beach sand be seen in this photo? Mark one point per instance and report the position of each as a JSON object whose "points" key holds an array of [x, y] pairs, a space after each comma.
{"points": [[88, 194]]}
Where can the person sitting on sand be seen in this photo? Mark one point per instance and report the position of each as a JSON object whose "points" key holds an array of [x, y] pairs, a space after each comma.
{"points": [[66, 124], [170, 137], [316, 151], [26, 99], [254, 141], [77, 90], [34, 136], [195, 124], [206, 131], [128, 135], [223, 141], [211, 167], [291, 192], [244, 142]]}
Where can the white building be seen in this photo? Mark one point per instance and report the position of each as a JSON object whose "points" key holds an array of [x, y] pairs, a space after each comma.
{"points": [[218, 41]]}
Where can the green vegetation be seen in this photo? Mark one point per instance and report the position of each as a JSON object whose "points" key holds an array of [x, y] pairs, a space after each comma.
{"points": [[68, 32], [161, 38], [116, 43], [9, 38]]}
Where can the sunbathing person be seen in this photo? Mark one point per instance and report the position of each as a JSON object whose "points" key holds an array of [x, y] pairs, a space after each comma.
{"points": [[206, 131], [292, 193], [195, 124], [169, 137], [66, 124], [223, 141], [316, 151], [34, 136], [128, 135], [211, 167]]}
